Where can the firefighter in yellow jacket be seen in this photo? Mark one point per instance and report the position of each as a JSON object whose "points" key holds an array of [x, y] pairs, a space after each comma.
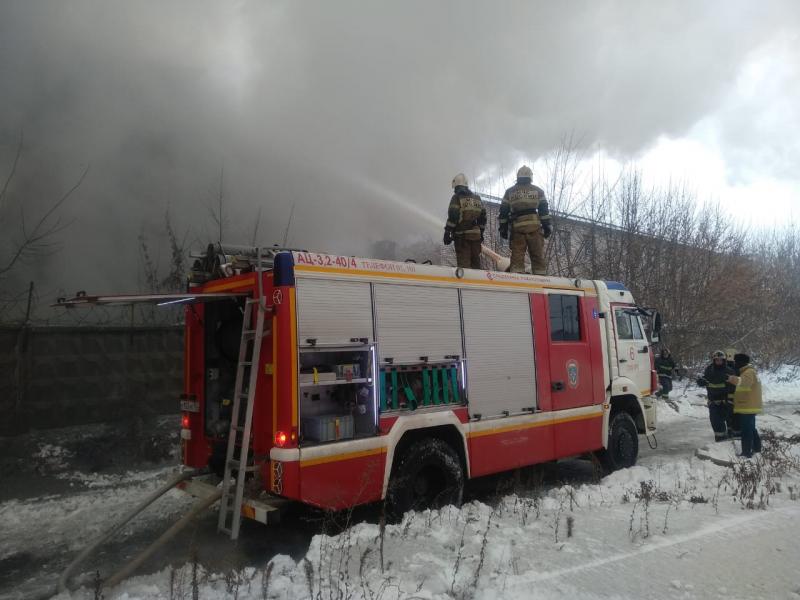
{"points": [[747, 403], [466, 220], [525, 219]]}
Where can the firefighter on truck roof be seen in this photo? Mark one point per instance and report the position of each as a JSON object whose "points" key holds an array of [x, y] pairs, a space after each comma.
{"points": [[466, 220], [525, 222]]}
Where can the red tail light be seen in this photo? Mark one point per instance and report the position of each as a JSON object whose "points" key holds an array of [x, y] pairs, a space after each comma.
{"points": [[281, 438], [653, 374], [185, 422]]}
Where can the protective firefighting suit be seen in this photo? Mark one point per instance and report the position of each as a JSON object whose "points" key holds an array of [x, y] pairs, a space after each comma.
{"points": [[466, 220], [525, 219], [715, 380], [732, 419]]}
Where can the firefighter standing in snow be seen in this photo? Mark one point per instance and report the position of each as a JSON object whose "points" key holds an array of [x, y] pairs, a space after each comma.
{"points": [[524, 216], [466, 220], [747, 403], [716, 381], [734, 430], [665, 367]]}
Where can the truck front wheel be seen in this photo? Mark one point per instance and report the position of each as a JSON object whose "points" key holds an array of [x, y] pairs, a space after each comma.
{"points": [[429, 475], [623, 443]]}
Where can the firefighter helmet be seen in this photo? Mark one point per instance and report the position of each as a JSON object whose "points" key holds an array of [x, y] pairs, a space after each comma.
{"points": [[460, 179], [718, 354], [729, 354], [524, 172]]}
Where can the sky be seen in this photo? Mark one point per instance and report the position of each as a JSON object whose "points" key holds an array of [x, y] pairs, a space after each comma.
{"points": [[360, 113]]}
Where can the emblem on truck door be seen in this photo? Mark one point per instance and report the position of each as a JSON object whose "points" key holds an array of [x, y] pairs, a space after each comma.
{"points": [[572, 373]]}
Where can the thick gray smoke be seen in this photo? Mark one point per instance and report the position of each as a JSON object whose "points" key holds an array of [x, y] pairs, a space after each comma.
{"points": [[359, 113]]}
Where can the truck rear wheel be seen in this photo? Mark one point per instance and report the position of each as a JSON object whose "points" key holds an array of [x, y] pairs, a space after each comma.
{"points": [[623, 443], [429, 475]]}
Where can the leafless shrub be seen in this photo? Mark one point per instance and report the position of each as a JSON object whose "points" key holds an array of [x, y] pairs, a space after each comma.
{"points": [[525, 506], [97, 586], [195, 580], [562, 498], [265, 580], [754, 481], [233, 580], [484, 543], [459, 555], [382, 534], [746, 478], [308, 568], [647, 493], [172, 583]]}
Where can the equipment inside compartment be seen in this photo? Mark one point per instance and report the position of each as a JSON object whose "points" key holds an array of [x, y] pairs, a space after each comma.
{"points": [[337, 394]]}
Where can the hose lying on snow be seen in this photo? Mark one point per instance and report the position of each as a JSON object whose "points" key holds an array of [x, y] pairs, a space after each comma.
{"points": [[65, 576], [128, 569]]}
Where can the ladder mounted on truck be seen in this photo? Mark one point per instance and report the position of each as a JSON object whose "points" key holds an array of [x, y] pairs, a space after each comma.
{"points": [[239, 436]]}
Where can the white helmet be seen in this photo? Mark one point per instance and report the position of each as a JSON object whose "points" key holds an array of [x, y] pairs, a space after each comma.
{"points": [[525, 171], [460, 179]]}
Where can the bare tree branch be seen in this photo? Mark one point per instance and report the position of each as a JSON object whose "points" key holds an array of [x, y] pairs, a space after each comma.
{"points": [[38, 240], [256, 226], [11, 173], [288, 225]]}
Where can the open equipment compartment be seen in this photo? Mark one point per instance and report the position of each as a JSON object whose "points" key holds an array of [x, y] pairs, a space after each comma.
{"points": [[337, 394]]}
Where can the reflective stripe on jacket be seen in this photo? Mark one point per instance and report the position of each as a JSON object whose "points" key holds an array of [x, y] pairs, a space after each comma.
{"points": [[665, 366], [524, 206], [717, 386], [466, 215]]}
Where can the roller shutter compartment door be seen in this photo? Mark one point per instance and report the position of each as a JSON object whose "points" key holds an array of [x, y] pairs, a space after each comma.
{"points": [[333, 312], [414, 321], [498, 335]]}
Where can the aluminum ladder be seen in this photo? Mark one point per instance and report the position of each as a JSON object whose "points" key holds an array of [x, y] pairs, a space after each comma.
{"points": [[230, 506]]}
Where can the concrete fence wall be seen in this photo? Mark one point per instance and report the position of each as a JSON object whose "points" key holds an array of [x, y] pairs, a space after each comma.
{"points": [[59, 376]]}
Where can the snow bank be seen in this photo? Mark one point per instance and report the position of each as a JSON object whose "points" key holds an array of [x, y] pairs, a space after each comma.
{"points": [[669, 528], [532, 544]]}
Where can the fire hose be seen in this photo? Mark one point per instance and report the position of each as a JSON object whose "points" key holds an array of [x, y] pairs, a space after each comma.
{"points": [[116, 578], [502, 262]]}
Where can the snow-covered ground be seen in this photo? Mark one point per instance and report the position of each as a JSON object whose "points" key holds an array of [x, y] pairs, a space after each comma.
{"points": [[675, 526]]}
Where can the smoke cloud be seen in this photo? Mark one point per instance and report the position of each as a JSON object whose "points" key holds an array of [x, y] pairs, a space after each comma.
{"points": [[358, 113]]}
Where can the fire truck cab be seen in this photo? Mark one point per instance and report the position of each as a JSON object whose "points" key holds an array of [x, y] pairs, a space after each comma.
{"points": [[399, 381]]}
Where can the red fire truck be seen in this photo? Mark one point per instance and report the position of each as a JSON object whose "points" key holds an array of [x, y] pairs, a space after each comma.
{"points": [[337, 381]]}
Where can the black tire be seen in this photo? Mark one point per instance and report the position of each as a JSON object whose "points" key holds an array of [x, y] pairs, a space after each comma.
{"points": [[623, 443], [429, 475]]}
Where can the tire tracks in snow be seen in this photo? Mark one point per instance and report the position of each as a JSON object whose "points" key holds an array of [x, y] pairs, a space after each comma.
{"points": [[750, 520]]}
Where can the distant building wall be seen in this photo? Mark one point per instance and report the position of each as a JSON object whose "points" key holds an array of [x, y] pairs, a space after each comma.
{"points": [[59, 376]]}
